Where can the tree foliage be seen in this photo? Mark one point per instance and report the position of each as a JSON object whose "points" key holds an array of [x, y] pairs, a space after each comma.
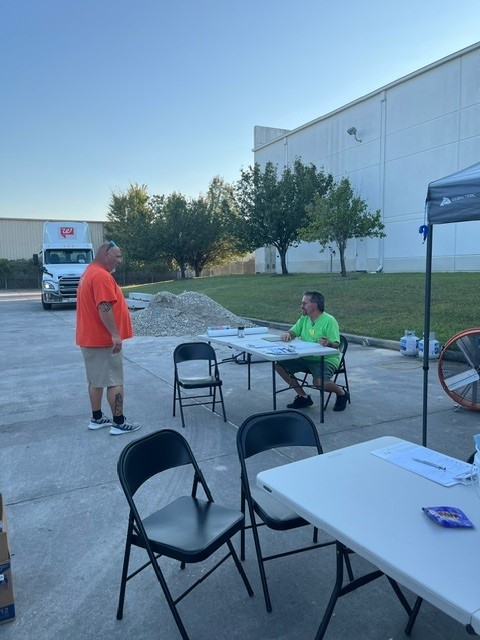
{"points": [[173, 228], [19, 274], [214, 242], [339, 216], [195, 233], [5, 268], [130, 224], [271, 209]]}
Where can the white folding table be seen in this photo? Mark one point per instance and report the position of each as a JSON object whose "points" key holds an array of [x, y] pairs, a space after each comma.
{"points": [[248, 346], [374, 508], [476, 622]]}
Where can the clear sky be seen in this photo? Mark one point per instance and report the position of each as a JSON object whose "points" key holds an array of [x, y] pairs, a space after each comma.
{"points": [[99, 94]]}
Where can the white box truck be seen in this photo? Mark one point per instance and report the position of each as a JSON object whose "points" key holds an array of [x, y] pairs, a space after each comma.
{"points": [[66, 252]]}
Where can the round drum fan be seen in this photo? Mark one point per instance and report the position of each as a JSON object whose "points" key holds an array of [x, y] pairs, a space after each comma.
{"points": [[459, 368]]}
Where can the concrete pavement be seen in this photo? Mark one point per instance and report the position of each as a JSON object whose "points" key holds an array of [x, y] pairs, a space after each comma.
{"points": [[68, 516]]}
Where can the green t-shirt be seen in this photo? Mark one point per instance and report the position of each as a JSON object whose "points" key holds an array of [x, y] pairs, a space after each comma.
{"points": [[325, 326]]}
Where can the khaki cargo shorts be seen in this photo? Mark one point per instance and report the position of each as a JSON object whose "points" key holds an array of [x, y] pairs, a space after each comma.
{"points": [[104, 368]]}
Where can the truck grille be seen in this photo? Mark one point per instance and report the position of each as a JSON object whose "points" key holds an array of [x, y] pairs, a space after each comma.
{"points": [[68, 286]]}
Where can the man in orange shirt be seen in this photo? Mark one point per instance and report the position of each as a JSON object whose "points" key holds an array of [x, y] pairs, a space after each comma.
{"points": [[103, 321]]}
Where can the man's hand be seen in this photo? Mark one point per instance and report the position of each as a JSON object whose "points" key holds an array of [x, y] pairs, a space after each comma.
{"points": [[325, 342], [117, 344], [286, 337]]}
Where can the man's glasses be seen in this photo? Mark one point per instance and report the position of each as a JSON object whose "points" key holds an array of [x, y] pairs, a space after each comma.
{"points": [[112, 245]]}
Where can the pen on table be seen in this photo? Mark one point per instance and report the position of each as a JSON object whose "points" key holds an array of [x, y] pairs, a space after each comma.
{"points": [[430, 464]]}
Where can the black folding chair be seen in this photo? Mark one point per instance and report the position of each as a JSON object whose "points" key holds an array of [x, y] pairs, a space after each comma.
{"points": [[260, 433], [341, 370], [188, 529], [200, 351]]}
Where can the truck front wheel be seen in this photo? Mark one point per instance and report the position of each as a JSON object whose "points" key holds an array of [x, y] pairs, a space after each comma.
{"points": [[46, 305]]}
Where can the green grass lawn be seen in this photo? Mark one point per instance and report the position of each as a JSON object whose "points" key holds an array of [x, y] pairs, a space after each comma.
{"points": [[376, 305]]}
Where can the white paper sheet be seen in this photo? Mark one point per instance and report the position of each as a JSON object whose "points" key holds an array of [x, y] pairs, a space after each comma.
{"points": [[424, 462]]}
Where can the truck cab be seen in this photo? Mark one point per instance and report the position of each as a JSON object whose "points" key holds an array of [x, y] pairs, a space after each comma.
{"points": [[66, 252]]}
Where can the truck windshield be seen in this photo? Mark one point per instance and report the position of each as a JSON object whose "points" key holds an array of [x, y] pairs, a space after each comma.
{"points": [[68, 256]]}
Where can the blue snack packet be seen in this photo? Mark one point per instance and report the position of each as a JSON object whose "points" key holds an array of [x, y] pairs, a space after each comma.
{"points": [[448, 516]]}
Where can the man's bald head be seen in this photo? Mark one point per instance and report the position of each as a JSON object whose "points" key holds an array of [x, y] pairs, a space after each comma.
{"points": [[108, 256]]}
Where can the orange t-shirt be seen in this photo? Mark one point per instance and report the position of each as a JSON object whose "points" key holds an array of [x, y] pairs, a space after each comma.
{"points": [[98, 285]]}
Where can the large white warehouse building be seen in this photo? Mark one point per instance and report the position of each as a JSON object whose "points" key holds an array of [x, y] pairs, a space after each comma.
{"points": [[415, 130]]}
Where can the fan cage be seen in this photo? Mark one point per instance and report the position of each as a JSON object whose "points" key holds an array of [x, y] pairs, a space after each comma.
{"points": [[459, 368]]}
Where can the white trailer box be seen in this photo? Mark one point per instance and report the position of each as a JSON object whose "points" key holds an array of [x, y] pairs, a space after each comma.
{"points": [[67, 250]]}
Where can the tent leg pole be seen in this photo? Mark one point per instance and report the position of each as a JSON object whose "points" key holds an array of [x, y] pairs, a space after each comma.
{"points": [[426, 331]]}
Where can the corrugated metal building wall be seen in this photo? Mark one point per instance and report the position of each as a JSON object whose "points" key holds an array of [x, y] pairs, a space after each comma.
{"points": [[20, 238], [391, 143]]}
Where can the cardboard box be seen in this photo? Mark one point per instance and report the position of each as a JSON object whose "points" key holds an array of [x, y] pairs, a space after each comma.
{"points": [[7, 606]]}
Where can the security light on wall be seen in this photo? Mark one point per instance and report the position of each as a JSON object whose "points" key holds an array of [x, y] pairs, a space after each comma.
{"points": [[353, 132]]}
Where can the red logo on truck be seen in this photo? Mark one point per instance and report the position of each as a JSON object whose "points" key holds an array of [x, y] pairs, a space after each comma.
{"points": [[67, 232]]}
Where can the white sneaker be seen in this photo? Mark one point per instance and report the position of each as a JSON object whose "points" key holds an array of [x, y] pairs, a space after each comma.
{"points": [[126, 427], [101, 422]]}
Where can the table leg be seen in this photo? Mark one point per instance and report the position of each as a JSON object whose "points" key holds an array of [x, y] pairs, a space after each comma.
{"points": [[337, 589], [249, 362], [274, 387], [413, 615], [322, 391], [470, 630]]}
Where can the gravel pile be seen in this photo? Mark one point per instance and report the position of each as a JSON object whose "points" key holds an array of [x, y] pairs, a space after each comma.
{"points": [[190, 313]]}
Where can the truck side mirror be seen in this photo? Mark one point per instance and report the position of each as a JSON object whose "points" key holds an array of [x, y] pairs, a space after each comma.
{"points": [[35, 259]]}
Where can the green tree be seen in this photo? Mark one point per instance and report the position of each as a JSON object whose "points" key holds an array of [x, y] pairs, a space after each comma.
{"points": [[5, 268], [339, 216], [173, 228], [213, 242], [195, 233], [271, 209], [130, 224]]}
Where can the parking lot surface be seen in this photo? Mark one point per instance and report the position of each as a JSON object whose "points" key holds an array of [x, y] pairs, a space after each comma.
{"points": [[67, 514]]}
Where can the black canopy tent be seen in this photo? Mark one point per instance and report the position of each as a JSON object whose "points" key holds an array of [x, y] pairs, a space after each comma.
{"points": [[455, 198]]}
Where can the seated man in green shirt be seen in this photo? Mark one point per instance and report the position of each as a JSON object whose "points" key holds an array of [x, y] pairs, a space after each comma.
{"points": [[315, 325]]}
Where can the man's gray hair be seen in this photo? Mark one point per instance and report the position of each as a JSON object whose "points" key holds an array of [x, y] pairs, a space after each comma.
{"points": [[317, 298]]}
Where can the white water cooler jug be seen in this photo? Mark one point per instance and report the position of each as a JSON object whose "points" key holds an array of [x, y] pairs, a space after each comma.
{"points": [[409, 344]]}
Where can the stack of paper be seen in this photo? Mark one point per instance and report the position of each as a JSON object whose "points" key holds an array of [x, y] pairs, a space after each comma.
{"points": [[281, 351]]}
